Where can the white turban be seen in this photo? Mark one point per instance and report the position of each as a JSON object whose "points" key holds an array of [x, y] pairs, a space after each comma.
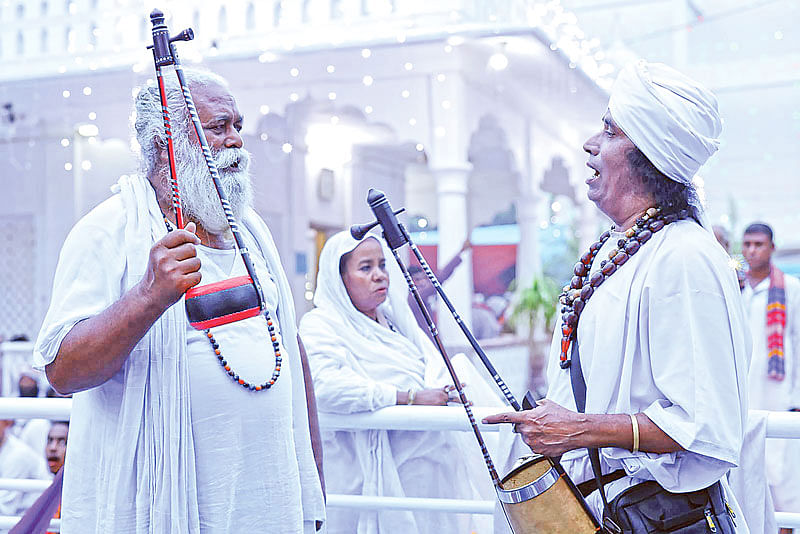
{"points": [[671, 118]]}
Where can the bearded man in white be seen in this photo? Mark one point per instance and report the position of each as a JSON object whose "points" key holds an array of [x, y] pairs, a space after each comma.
{"points": [[162, 440], [653, 322]]}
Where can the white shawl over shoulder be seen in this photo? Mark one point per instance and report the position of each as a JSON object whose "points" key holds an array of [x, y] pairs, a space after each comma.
{"points": [[131, 463]]}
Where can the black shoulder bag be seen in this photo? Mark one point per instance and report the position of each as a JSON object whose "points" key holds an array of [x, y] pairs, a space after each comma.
{"points": [[647, 508]]}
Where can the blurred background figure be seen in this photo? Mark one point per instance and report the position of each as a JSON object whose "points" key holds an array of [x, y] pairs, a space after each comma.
{"points": [[426, 289], [367, 352], [17, 460], [485, 323], [28, 386], [773, 304], [721, 233], [723, 238], [32, 432], [56, 447]]}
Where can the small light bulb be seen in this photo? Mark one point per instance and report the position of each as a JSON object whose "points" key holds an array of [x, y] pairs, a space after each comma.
{"points": [[408, 66], [498, 61], [286, 147], [86, 165], [65, 93], [367, 80], [68, 166], [295, 72], [367, 109], [87, 90], [331, 96], [406, 93], [264, 109], [64, 142], [366, 52], [331, 69]]}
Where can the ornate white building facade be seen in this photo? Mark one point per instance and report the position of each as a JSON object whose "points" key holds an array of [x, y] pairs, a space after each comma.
{"points": [[458, 110]]}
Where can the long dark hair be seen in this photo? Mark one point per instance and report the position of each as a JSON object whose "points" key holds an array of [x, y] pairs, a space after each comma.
{"points": [[669, 195]]}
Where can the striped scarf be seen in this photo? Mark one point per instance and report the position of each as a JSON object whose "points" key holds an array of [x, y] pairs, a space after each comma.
{"points": [[776, 323]]}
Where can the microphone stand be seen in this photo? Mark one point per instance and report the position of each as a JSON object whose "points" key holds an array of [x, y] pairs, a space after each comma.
{"points": [[396, 236]]}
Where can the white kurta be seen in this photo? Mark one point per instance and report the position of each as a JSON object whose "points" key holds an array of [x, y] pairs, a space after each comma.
{"points": [[17, 460], [783, 455], [359, 365], [666, 336], [170, 444]]}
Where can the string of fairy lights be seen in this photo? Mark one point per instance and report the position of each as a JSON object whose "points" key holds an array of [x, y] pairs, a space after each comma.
{"points": [[85, 36], [272, 38]]}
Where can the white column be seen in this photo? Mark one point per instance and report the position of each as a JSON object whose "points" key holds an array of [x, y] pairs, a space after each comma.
{"points": [[529, 262], [453, 226]]}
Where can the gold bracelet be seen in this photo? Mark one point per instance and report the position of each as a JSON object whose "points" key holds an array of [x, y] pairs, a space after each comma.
{"points": [[635, 425], [411, 394]]}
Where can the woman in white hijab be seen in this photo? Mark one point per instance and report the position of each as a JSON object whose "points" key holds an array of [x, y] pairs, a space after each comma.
{"points": [[367, 352]]}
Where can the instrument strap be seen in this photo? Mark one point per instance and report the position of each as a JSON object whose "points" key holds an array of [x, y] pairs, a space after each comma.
{"points": [[579, 392]]}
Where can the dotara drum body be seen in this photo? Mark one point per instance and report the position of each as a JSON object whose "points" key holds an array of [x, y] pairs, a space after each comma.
{"points": [[537, 500]]}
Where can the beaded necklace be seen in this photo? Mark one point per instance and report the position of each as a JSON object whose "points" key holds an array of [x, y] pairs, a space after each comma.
{"points": [[583, 285], [224, 363]]}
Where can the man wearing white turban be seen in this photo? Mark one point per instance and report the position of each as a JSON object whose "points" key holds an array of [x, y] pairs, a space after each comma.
{"points": [[649, 365]]}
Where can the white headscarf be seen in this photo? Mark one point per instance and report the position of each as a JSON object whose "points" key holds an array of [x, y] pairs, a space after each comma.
{"points": [[671, 118], [331, 297]]}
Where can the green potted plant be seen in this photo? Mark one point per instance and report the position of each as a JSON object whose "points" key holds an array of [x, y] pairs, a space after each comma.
{"points": [[533, 318]]}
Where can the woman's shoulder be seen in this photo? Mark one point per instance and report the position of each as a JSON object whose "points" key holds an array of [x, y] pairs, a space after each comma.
{"points": [[319, 319]]}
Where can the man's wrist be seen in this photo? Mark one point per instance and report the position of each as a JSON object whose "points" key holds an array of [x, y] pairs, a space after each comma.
{"points": [[605, 430]]}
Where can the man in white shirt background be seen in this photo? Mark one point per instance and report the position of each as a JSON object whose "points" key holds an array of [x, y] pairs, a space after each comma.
{"points": [[772, 299]]}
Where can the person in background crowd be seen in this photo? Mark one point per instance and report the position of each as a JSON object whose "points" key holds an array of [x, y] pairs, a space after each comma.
{"points": [[28, 386], [55, 451], [17, 460], [426, 289], [56, 446], [772, 299], [33, 432], [722, 236], [484, 322]]}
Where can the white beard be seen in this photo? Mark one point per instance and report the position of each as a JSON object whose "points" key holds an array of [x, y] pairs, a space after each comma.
{"points": [[199, 198]]}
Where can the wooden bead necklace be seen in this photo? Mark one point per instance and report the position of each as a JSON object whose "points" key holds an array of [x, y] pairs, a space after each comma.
{"points": [[583, 284], [224, 363]]}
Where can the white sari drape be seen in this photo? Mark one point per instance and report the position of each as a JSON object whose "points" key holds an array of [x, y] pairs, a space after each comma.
{"points": [[360, 365]]}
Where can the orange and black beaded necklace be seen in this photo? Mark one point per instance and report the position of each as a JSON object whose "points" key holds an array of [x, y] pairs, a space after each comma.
{"points": [[583, 284], [224, 363]]}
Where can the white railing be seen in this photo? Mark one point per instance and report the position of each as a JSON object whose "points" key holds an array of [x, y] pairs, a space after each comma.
{"points": [[449, 418]]}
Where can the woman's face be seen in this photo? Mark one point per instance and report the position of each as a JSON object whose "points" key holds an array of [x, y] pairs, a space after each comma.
{"points": [[365, 277]]}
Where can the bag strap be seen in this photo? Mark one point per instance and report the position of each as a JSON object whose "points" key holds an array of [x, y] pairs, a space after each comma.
{"points": [[579, 392]]}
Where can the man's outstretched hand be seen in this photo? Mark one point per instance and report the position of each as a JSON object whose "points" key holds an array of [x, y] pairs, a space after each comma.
{"points": [[548, 429]]}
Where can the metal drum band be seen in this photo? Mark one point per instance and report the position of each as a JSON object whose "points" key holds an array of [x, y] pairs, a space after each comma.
{"points": [[529, 491]]}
